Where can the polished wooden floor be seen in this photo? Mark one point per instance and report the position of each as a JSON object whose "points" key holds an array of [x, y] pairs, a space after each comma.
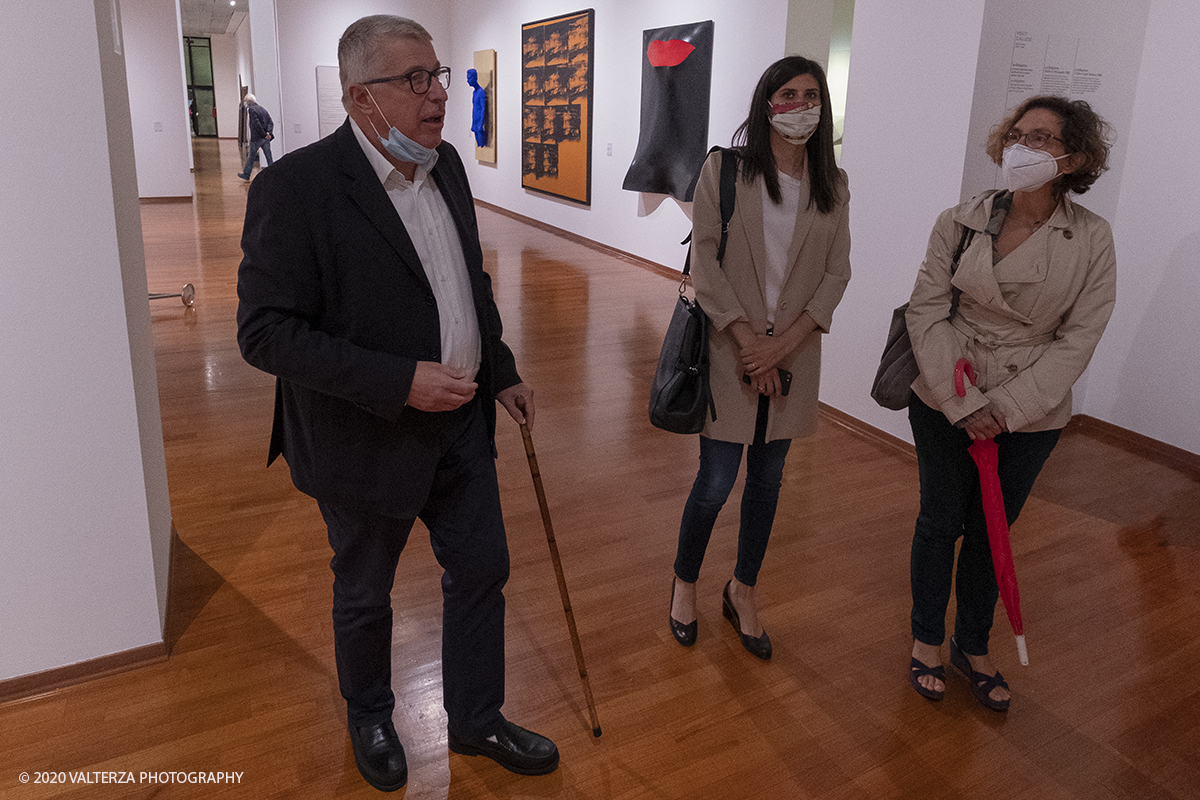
{"points": [[1108, 552]]}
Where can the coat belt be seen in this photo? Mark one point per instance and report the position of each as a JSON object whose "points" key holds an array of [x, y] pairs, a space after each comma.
{"points": [[1029, 341]]}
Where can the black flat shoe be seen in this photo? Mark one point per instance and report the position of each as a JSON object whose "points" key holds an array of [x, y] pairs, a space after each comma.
{"points": [[379, 756], [981, 683], [760, 647], [684, 634], [513, 748]]}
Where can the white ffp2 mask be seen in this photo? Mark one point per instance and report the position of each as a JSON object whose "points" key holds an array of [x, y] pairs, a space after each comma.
{"points": [[1025, 169]]}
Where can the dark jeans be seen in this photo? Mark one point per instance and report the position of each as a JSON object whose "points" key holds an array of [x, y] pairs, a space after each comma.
{"points": [[466, 531], [951, 507], [719, 464], [255, 144]]}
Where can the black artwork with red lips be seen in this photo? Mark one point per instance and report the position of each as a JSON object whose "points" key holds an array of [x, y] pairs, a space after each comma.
{"points": [[673, 139]]}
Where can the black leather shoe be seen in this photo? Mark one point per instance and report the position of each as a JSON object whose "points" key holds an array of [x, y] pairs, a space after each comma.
{"points": [[684, 634], [513, 748], [380, 756], [760, 647]]}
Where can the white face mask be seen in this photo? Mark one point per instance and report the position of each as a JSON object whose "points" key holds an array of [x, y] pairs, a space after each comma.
{"points": [[796, 125], [1025, 169]]}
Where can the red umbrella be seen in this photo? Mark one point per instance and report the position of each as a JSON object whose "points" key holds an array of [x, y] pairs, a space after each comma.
{"points": [[987, 460]]}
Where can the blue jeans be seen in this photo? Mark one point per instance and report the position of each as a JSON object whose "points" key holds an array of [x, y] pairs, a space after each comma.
{"points": [[719, 464], [255, 144], [951, 506]]}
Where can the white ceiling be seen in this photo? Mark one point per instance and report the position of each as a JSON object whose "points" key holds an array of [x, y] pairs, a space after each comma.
{"points": [[211, 17]]}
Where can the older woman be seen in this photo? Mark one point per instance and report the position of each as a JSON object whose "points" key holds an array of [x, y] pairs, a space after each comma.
{"points": [[786, 265], [1028, 302]]}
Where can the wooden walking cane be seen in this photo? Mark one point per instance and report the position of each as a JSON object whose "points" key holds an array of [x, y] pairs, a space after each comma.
{"points": [[558, 571]]}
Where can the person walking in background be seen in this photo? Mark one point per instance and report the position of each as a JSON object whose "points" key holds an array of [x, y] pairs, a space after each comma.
{"points": [[362, 290], [786, 265], [261, 134], [1026, 306]]}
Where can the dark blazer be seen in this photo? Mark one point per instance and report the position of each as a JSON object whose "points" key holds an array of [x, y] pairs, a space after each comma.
{"points": [[333, 300]]}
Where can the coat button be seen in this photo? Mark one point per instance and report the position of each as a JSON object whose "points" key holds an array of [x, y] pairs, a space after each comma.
{"points": [[1067, 234]]}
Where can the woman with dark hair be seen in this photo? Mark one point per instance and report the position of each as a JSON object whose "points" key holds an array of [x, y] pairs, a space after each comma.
{"points": [[786, 265], [1026, 305]]}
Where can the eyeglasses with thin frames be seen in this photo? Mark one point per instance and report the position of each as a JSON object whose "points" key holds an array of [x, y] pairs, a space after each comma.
{"points": [[1034, 140], [419, 79]]}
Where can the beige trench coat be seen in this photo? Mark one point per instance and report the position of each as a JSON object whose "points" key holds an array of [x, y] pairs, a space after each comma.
{"points": [[1029, 324], [819, 269]]}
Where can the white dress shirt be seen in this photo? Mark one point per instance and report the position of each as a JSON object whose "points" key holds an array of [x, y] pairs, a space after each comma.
{"points": [[435, 237]]}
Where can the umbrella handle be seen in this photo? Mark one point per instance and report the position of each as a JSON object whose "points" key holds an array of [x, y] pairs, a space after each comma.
{"points": [[963, 367], [1022, 650]]}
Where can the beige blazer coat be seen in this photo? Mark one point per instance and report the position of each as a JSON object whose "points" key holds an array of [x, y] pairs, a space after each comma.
{"points": [[1029, 324], [818, 271]]}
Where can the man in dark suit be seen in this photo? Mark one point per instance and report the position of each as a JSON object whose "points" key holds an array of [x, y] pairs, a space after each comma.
{"points": [[362, 290]]}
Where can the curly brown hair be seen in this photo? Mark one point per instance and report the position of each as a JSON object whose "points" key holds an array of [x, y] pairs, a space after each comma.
{"points": [[1084, 133]]}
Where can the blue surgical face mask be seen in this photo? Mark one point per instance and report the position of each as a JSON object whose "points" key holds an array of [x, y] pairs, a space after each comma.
{"points": [[399, 145]]}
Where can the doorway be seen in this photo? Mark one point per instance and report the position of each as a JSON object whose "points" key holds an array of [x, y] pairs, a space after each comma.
{"points": [[202, 107]]}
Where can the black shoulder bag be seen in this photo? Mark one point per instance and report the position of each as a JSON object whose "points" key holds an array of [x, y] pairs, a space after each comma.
{"points": [[680, 396], [898, 366]]}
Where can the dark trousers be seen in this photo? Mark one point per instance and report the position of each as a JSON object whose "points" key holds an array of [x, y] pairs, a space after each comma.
{"points": [[719, 465], [467, 534], [952, 507]]}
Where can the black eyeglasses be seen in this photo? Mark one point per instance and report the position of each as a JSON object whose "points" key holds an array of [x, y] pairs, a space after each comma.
{"points": [[1034, 140], [419, 79]]}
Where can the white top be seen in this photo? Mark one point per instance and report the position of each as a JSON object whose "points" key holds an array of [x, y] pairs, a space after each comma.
{"points": [[779, 223], [428, 222]]}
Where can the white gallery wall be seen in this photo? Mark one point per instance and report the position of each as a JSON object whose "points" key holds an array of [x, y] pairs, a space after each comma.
{"points": [[225, 84], [904, 142], [162, 134], [86, 517], [265, 83], [1146, 373], [245, 60]]}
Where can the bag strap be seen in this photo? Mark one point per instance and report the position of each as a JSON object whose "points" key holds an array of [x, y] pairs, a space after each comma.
{"points": [[968, 234], [964, 241], [729, 165]]}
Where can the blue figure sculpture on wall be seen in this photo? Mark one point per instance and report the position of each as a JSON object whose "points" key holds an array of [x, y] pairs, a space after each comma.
{"points": [[478, 109]]}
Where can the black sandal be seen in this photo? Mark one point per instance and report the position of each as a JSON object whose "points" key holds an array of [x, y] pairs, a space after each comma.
{"points": [[919, 670], [981, 683]]}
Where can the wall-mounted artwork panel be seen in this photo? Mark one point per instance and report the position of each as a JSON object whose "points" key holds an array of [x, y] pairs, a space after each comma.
{"points": [[676, 83], [556, 106]]}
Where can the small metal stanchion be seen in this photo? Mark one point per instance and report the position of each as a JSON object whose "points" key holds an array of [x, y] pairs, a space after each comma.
{"points": [[187, 295]]}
